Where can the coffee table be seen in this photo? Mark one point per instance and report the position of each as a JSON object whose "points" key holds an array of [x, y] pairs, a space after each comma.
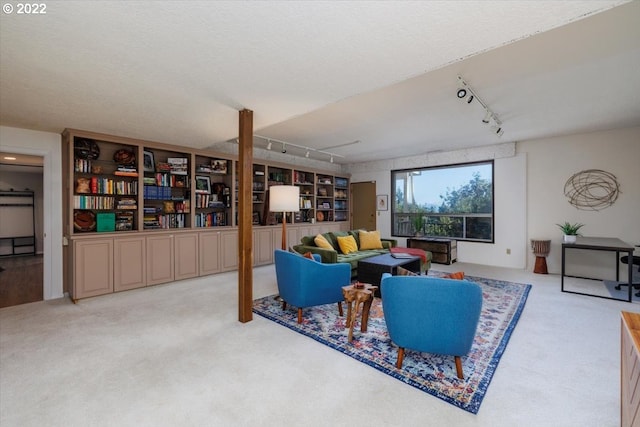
{"points": [[370, 270]]}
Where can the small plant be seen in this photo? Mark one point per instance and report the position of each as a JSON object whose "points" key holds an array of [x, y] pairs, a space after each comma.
{"points": [[418, 223], [570, 229]]}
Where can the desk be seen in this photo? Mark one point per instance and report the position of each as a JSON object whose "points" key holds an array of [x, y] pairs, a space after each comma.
{"points": [[600, 244]]}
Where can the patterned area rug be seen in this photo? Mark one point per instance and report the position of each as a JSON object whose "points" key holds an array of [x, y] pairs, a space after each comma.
{"points": [[502, 305]]}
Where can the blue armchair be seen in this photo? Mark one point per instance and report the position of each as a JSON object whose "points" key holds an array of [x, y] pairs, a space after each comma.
{"points": [[303, 282], [431, 315]]}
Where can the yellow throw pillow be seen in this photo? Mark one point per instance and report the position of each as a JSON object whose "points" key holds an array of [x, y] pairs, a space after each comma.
{"points": [[370, 240], [347, 244], [322, 242]]}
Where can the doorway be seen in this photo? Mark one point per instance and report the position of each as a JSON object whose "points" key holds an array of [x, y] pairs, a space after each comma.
{"points": [[363, 205], [22, 275]]}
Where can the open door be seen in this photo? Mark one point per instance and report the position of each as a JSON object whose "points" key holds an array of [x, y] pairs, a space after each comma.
{"points": [[363, 205]]}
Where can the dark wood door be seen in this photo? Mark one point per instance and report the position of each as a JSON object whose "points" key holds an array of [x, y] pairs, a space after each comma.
{"points": [[363, 205]]}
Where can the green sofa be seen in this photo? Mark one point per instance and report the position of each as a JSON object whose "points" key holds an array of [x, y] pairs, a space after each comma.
{"points": [[332, 256]]}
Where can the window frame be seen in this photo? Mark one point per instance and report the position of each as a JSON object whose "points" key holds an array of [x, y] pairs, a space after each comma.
{"points": [[394, 214]]}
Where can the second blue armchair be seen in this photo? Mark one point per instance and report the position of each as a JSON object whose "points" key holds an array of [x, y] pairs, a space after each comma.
{"points": [[431, 315]]}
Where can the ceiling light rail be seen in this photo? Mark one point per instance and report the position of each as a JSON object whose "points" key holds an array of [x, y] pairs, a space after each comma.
{"points": [[307, 150], [465, 92]]}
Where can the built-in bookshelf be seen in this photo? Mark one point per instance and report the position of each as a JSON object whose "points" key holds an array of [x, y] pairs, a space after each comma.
{"points": [[167, 189], [104, 185], [305, 181], [324, 198], [213, 177], [118, 184], [341, 199], [259, 193]]}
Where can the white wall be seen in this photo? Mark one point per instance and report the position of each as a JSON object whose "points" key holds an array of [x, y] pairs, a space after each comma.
{"points": [[48, 145], [551, 162], [510, 199], [529, 199], [20, 181]]}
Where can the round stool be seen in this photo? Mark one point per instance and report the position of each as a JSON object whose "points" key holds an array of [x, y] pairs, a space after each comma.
{"points": [[541, 249]]}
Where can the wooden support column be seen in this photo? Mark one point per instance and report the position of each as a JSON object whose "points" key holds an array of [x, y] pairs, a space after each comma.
{"points": [[245, 212]]}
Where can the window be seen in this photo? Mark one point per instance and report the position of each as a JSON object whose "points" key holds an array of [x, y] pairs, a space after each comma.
{"points": [[453, 201]]}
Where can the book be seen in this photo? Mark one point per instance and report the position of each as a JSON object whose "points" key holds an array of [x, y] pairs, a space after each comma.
{"points": [[402, 255]]}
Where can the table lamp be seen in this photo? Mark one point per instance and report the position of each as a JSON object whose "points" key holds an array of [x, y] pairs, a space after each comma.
{"points": [[284, 198]]}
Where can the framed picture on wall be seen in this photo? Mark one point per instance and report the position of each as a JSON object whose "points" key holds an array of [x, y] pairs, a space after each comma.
{"points": [[382, 202]]}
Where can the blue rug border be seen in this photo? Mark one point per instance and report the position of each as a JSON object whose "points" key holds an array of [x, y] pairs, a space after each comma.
{"points": [[474, 404]]}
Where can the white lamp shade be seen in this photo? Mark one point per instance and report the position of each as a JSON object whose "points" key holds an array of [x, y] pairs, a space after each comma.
{"points": [[284, 198]]}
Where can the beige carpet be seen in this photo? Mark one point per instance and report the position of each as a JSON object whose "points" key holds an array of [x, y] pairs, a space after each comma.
{"points": [[175, 355]]}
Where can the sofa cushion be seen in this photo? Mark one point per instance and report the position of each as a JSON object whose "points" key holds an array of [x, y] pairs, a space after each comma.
{"points": [[354, 257], [308, 241], [356, 235], [331, 238], [322, 242], [347, 244], [370, 240]]}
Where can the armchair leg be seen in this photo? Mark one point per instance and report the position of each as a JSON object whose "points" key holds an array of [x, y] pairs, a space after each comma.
{"points": [[299, 315], [284, 305], [400, 358], [340, 309], [459, 367]]}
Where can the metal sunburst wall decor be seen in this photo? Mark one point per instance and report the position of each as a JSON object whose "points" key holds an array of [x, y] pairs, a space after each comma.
{"points": [[592, 189]]}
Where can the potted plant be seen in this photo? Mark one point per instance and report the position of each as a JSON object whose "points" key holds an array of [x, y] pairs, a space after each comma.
{"points": [[570, 231]]}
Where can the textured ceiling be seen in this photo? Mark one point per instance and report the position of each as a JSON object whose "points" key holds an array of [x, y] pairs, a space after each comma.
{"points": [[322, 74]]}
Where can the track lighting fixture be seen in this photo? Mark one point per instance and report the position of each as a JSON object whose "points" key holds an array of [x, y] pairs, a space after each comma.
{"points": [[489, 116], [306, 150]]}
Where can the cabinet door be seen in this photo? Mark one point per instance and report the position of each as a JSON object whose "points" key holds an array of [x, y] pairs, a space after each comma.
{"points": [[229, 250], [209, 253], [92, 268], [129, 263], [186, 256], [262, 247], [160, 266]]}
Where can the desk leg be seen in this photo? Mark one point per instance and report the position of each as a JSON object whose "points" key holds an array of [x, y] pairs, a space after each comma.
{"points": [[562, 271], [630, 271]]}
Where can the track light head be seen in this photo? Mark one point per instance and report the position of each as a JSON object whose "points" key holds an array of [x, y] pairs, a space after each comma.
{"points": [[331, 160], [487, 118], [497, 129], [284, 148], [462, 93], [470, 99], [269, 145], [306, 154]]}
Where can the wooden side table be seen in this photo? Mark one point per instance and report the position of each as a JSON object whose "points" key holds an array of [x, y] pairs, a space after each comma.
{"points": [[354, 297]]}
